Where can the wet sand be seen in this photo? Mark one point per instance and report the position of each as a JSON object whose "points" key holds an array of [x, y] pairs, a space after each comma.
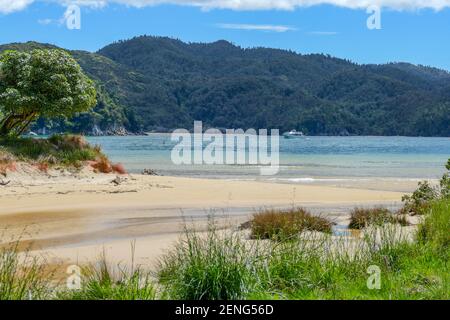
{"points": [[75, 218]]}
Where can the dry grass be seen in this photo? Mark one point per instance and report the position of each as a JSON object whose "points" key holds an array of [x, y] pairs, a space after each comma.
{"points": [[361, 217], [67, 150], [286, 224], [43, 166], [5, 167], [58, 149], [7, 162], [102, 165], [69, 142], [119, 168]]}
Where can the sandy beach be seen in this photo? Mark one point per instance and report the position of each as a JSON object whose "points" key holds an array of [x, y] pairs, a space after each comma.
{"points": [[74, 217]]}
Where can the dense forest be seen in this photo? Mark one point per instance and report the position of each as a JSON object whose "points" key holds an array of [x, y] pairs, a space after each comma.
{"points": [[155, 83]]}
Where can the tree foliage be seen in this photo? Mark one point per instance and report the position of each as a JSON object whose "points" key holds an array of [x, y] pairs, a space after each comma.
{"points": [[154, 83], [420, 200], [228, 86], [41, 83]]}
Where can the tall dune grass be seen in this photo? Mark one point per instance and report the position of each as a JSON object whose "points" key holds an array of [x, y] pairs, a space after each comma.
{"points": [[22, 277], [224, 265], [61, 150], [362, 217], [218, 265], [58, 149], [286, 224], [105, 281], [436, 228]]}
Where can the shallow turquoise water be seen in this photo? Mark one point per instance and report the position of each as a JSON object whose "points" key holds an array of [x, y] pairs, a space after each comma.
{"points": [[302, 160]]}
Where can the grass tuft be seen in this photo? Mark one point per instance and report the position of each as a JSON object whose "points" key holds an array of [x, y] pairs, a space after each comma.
{"points": [[63, 150], [58, 149], [102, 165], [7, 162], [22, 277], [210, 266], [362, 218], [221, 264], [436, 227], [102, 282], [286, 224]]}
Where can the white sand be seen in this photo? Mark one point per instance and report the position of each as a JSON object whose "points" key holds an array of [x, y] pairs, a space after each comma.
{"points": [[74, 217]]}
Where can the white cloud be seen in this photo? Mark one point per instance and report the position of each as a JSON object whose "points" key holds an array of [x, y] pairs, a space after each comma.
{"points": [[256, 27], [290, 4], [88, 3], [7, 6]]}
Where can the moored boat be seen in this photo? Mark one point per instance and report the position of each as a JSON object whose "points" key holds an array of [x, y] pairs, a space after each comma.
{"points": [[293, 134]]}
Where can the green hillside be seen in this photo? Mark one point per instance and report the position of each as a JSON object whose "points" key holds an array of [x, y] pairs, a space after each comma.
{"points": [[155, 83]]}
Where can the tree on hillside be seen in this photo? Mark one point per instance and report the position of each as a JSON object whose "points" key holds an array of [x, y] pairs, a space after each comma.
{"points": [[41, 83]]}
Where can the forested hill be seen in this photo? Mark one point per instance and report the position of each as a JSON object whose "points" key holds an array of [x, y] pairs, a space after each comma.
{"points": [[154, 83]]}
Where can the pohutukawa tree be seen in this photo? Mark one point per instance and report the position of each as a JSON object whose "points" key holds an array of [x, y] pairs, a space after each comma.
{"points": [[41, 83]]}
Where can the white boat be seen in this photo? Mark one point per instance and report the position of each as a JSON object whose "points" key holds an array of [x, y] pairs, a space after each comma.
{"points": [[293, 134]]}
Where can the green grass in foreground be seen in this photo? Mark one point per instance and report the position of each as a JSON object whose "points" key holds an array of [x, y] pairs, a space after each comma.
{"points": [[224, 266], [214, 266], [220, 264], [22, 279], [101, 282]]}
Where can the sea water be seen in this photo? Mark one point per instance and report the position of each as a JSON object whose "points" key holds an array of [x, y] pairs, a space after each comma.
{"points": [[398, 162]]}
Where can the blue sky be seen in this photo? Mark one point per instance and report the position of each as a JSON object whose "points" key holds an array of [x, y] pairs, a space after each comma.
{"points": [[418, 34]]}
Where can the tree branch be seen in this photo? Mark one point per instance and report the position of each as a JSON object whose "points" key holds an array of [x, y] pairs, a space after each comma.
{"points": [[31, 117], [13, 120]]}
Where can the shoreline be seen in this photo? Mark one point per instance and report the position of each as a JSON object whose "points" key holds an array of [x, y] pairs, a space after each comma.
{"points": [[75, 217], [144, 134]]}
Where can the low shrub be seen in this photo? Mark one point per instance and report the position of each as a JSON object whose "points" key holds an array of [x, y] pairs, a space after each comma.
{"points": [[67, 150], [444, 183], [362, 217], [286, 224], [418, 202]]}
